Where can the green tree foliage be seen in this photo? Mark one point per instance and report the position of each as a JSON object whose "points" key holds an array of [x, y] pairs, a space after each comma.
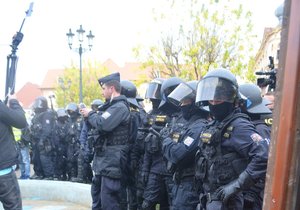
{"points": [[91, 89], [213, 34]]}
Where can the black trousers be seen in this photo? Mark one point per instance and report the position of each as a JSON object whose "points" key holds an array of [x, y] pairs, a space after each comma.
{"points": [[95, 192], [10, 195]]}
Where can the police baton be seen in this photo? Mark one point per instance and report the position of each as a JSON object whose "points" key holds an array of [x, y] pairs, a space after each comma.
{"points": [[152, 130]]}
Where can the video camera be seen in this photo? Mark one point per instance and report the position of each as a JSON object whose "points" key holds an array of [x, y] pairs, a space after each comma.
{"points": [[271, 79]]}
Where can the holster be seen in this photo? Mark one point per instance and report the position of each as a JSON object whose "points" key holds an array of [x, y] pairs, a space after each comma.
{"points": [[170, 167]]}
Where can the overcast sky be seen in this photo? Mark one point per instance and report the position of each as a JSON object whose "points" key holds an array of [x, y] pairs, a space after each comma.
{"points": [[118, 26]]}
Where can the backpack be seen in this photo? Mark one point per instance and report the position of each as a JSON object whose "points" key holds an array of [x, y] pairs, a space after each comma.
{"points": [[134, 123]]}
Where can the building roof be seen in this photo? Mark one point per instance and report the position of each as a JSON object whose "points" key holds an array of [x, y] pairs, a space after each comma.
{"points": [[130, 71], [27, 94]]}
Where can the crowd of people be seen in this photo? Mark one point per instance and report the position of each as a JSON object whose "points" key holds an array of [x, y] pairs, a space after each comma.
{"points": [[203, 145]]}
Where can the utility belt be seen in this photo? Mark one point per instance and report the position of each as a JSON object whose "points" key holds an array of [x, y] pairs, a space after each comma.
{"points": [[117, 141], [208, 198], [188, 174]]}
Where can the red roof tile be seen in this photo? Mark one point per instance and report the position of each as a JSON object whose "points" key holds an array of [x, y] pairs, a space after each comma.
{"points": [[27, 94]]}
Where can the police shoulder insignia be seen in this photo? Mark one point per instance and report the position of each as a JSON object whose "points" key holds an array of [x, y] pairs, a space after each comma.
{"points": [[106, 115], [160, 118], [188, 141], [256, 137], [269, 121], [175, 137], [205, 137]]}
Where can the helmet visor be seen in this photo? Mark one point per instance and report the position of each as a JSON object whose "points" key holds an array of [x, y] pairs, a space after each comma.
{"points": [[38, 104], [153, 91], [181, 93], [214, 88]]}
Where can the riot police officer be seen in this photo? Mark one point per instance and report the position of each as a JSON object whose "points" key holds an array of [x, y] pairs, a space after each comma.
{"points": [[85, 155], [159, 183], [88, 138], [113, 124], [182, 153], [42, 136], [256, 108], [231, 156], [148, 119], [73, 140], [129, 190], [61, 131]]}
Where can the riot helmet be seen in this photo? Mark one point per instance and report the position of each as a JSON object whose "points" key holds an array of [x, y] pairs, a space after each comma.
{"points": [[61, 112], [219, 85], [72, 109], [96, 104], [129, 90], [184, 95], [166, 88], [254, 103], [40, 104], [153, 90], [184, 91]]}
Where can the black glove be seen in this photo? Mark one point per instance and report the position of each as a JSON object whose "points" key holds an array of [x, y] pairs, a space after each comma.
{"points": [[243, 182], [145, 176], [165, 133]]}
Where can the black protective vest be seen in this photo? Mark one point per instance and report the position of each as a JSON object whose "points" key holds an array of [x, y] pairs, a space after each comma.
{"points": [[215, 166], [119, 136]]}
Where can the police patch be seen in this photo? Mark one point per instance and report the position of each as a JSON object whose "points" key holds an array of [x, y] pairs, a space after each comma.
{"points": [[105, 115], [188, 141], [256, 137]]}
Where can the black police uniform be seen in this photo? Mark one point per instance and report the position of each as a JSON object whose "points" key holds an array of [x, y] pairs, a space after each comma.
{"points": [[228, 151], [182, 155], [137, 156], [113, 127], [43, 148], [74, 125], [61, 130], [85, 173], [159, 184], [255, 195], [89, 142]]}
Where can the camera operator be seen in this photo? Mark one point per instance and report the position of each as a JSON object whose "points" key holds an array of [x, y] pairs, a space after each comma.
{"points": [[11, 115], [270, 80]]}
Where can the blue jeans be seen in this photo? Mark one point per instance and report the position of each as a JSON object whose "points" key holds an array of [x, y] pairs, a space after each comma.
{"points": [[25, 165], [10, 195]]}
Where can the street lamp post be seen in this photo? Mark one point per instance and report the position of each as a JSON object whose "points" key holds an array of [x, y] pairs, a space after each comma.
{"points": [[64, 87], [80, 50]]}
